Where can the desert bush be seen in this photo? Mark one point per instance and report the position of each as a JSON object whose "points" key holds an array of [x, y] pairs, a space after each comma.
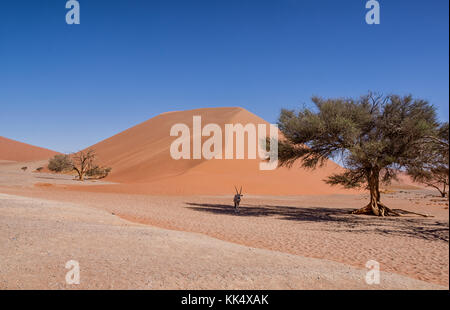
{"points": [[99, 172], [60, 163], [24, 168], [39, 169]]}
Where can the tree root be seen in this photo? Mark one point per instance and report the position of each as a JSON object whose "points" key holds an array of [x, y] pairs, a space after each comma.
{"points": [[377, 209], [380, 209], [420, 214]]}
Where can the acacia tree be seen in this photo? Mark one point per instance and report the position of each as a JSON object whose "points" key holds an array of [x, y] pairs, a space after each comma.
{"points": [[374, 137], [83, 161], [432, 167]]}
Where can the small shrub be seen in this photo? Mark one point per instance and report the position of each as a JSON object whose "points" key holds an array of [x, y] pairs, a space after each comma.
{"points": [[60, 163], [24, 169], [99, 172], [39, 169]]}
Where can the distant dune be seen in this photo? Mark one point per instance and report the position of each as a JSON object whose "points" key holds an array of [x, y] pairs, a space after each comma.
{"points": [[140, 160], [18, 151]]}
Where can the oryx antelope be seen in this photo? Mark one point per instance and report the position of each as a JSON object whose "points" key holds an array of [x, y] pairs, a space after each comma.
{"points": [[237, 198]]}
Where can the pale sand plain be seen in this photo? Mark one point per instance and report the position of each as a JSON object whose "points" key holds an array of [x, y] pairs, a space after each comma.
{"points": [[137, 241]]}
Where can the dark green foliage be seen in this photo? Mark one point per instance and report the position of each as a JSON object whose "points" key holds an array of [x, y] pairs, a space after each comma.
{"points": [[374, 137]]}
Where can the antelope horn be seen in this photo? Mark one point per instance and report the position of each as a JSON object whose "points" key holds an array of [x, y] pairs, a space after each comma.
{"points": [[240, 192], [236, 189]]}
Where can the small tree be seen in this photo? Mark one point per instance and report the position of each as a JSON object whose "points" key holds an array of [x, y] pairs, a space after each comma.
{"points": [[24, 169], [83, 161], [432, 166], [39, 169], [374, 137], [60, 163]]}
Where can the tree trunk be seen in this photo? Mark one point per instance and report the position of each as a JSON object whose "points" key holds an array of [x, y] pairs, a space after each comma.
{"points": [[80, 174], [444, 192], [375, 207]]}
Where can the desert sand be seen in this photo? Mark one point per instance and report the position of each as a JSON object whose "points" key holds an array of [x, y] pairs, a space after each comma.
{"points": [[180, 242], [40, 236], [158, 223]]}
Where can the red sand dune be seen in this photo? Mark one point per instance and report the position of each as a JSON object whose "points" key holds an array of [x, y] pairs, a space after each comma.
{"points": [[18, 151], [140, 160], [404, 181]]}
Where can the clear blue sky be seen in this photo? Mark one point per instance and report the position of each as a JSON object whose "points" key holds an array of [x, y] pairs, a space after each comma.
{"points": [[66, 87]]}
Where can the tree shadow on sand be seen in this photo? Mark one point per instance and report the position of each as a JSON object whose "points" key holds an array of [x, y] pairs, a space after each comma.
{"points": [[53, 178], [339, 219]]}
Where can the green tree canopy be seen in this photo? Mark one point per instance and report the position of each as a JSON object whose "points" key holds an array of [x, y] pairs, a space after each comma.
{"points": [[374, 137]]}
